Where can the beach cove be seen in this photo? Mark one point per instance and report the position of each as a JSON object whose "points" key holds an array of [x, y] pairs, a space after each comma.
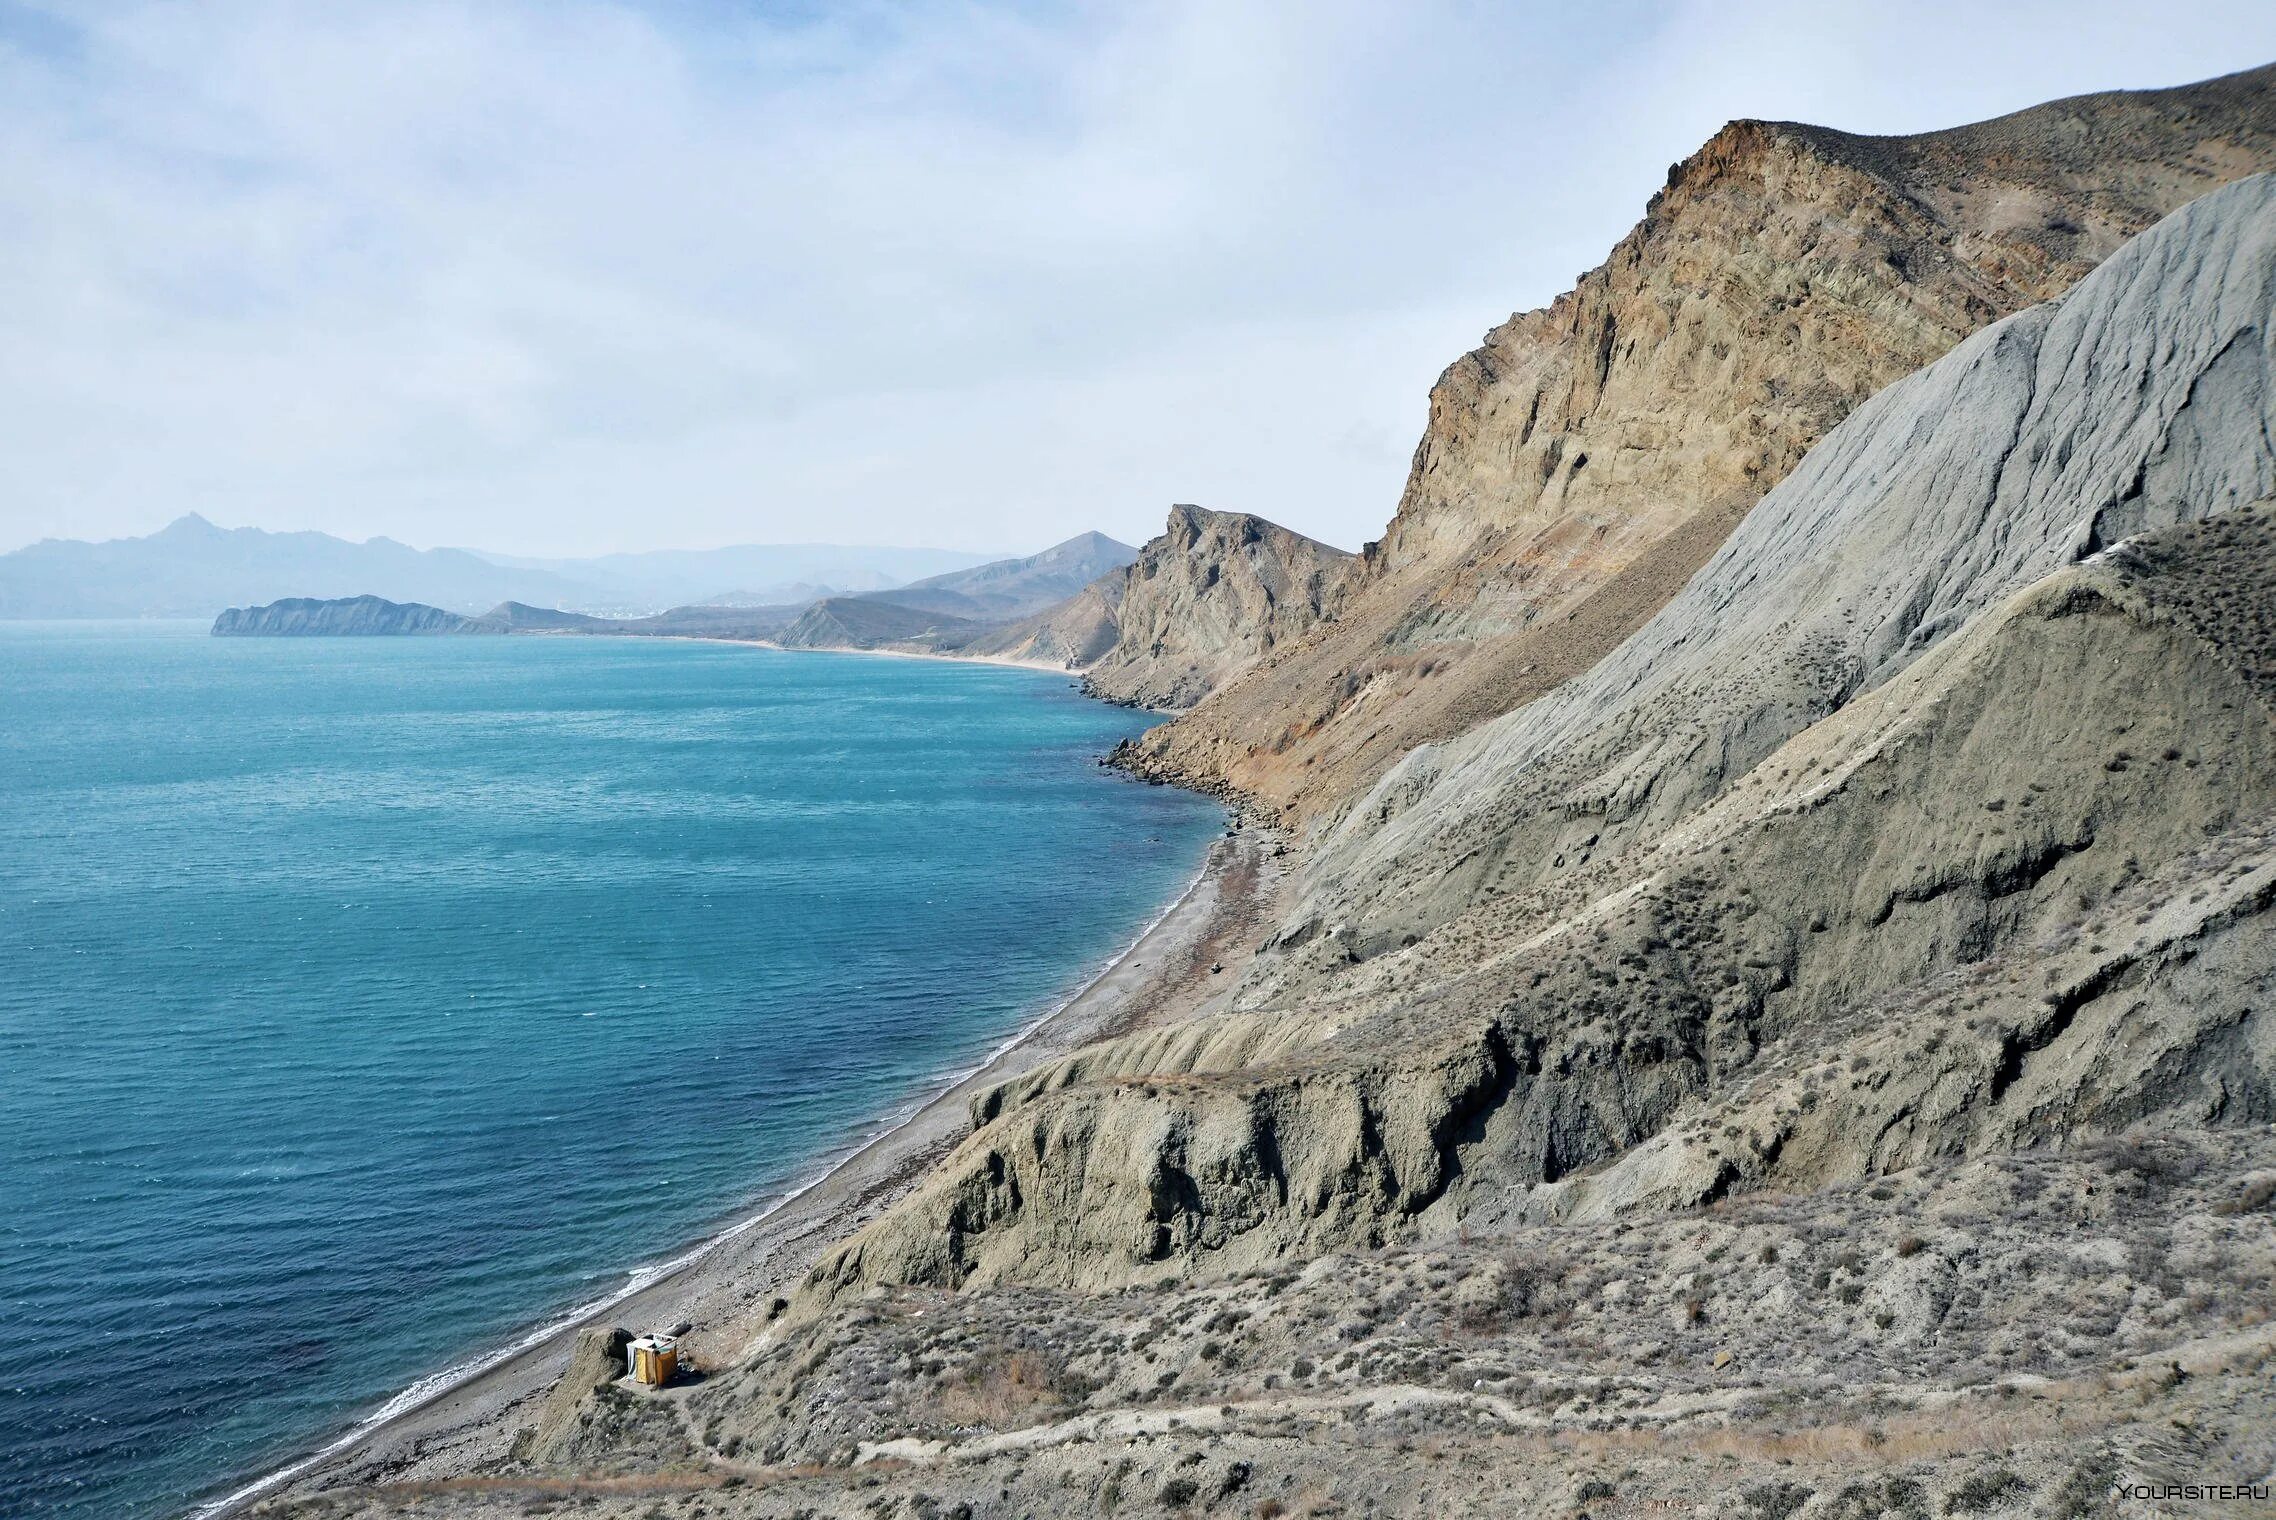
{"points": [[563, 922]]}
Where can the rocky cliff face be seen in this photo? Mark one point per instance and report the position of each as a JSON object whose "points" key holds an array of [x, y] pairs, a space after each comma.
{"points": [[1891, 782], [1215, 593], [1588, 457], [2142, 398]]}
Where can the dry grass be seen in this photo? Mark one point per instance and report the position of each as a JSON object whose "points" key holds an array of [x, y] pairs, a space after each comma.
{"points": [[1004, 1393]]}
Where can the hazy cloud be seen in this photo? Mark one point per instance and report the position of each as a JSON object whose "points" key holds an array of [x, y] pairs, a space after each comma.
{"points": [[567, 276]]}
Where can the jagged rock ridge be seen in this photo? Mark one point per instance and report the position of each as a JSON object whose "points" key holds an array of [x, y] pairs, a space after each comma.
{"points": [[1584, 461], [1214, 593]]}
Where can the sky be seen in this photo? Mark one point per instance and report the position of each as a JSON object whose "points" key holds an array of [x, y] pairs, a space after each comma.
{"points": [[565, 277]]}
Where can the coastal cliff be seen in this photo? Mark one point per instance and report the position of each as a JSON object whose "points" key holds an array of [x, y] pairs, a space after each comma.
{"points": [[1822, 1022], [1214, 593], [1782, 801], [1588, 457]]}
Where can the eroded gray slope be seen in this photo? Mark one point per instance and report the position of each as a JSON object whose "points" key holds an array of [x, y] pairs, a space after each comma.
{"points": [[2143, 397]]}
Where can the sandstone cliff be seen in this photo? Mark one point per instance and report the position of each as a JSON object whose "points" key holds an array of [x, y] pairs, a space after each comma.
{"points": [[1216, 592], [1888, 780], [1583, 462], [2143, 397]]}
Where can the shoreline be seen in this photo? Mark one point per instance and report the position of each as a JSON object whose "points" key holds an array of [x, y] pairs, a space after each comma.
{"points": [[1004, 660], [723, 1282], [920, 654]]}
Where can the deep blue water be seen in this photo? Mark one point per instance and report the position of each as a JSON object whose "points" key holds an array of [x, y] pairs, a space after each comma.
{"points": [[363, 1001]]}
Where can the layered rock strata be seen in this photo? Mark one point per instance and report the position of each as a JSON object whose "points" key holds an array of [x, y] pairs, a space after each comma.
{"points": [[1583, 462]]}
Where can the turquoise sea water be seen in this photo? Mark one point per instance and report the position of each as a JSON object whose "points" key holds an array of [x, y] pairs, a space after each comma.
{"points": [[363, 1001]]}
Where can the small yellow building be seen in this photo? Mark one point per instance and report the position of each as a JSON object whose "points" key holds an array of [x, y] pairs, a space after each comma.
{"points": [[654, 1359]]}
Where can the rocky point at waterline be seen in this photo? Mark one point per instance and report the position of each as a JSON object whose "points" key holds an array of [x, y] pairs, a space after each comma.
{"points": [[1211, 596], [1810, 1057]]}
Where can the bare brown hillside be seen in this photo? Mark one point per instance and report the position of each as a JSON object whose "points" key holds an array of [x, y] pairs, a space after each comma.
{"points": [[1588, 457]]}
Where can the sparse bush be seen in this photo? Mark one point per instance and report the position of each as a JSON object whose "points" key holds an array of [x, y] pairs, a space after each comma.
{"points": [[1775, 1501], [1980, 1491], [2085, 1493], [2154, 1165], [1884, 1497], [1003, 1393], [2255, 1196]]}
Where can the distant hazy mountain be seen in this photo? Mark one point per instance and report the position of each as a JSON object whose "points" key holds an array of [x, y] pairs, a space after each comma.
{"points": [[365, 616], [193, 569], [791, 594], [860, 622], [1004, 589], [303, 616], [747, 574]]}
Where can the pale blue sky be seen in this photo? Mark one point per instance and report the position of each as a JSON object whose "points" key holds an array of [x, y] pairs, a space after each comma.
{"points": [[567, 277]]}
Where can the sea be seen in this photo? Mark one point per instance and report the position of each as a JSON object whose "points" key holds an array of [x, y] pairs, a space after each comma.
{"points": [[365, 1003]]}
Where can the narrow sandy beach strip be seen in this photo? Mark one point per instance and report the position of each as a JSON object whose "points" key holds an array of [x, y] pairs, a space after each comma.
{"points": [[918, 654], [723, 1287]]}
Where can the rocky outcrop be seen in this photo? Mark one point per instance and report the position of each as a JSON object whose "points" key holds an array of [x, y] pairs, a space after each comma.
{"points": [[352, 615], [1216, 592], [596, 1360], [2146, 396], [1582, 463]]}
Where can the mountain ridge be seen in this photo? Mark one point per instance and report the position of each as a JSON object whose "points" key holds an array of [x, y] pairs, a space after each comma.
{"points": [[1583, 462], [192, 568]]}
